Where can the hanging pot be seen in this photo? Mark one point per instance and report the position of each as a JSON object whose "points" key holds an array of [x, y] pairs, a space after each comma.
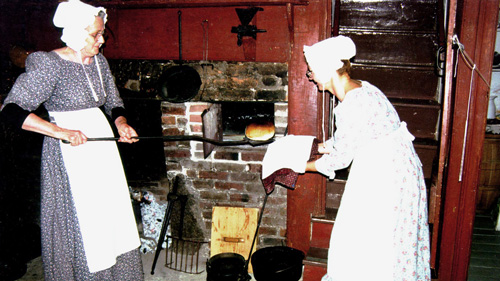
{"points": [[227, 267], [277, 263], [179, 83]]}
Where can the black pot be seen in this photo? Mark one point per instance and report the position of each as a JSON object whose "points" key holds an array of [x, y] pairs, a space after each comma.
{"points": [[227, 267], [179, 84], [277, 263]]}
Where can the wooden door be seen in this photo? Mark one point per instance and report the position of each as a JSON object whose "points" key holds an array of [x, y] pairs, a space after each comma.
{"points": [[488, 189]]}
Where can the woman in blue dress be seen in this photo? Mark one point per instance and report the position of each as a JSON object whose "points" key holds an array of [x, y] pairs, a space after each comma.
{"points": [[88, 226]]}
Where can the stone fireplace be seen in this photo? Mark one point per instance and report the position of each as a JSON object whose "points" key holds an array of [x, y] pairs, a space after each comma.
{"points": [[229, 175]]}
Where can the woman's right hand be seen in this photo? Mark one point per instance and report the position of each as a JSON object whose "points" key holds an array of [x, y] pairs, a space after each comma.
{"points": [[36, 124], [324, 149], [73, 137]]}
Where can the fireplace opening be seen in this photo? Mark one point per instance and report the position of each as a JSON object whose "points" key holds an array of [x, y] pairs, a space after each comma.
{"points": [[237, 115], [143, 160]]}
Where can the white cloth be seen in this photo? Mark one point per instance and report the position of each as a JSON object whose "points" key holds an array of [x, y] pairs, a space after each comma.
{"points": [[99, 189], [74, 16], [291, 152], [325, 57]]}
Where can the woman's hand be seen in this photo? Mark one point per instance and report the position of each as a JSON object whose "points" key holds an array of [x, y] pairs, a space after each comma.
{"points": [[34, 123], [126, 132], [73, 137], [311, 166], [324, 149]]}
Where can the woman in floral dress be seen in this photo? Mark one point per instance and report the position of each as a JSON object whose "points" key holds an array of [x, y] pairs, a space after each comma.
{"points": [[381, 231], [88, 226]]}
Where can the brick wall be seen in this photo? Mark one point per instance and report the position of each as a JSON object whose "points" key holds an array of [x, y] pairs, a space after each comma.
{"points": [[230, 175]]}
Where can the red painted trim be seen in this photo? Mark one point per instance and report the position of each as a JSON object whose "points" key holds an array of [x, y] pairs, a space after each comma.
{"points": [[310, 26], [477, 32]]}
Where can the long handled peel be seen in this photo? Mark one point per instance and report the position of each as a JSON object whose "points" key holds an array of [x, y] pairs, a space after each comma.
{"points": [[191, 138]]}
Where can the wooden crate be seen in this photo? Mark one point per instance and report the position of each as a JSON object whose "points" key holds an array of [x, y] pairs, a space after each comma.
{"points": [[233, 230]]}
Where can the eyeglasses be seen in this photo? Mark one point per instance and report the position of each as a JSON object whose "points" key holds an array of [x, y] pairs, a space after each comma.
{"points": [[98, 35]]}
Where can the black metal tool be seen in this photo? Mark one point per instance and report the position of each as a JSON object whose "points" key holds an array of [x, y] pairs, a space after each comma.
{"points": [[193, 138], [256, 231], [245, 28], [171, 198]]}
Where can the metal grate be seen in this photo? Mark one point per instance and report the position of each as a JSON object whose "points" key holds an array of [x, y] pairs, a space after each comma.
{"points": [[184, 254]]}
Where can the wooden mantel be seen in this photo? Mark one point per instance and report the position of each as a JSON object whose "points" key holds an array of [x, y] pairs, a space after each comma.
{"points": [[197, 3]]}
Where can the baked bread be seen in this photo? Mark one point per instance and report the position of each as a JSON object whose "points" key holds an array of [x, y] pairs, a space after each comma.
{"points": [[260, 131]]}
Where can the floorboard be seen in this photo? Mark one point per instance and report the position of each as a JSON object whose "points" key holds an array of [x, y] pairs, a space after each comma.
{"points": [[485, 250]]}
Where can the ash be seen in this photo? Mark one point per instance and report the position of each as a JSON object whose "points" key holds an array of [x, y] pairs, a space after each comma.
{"points": [[152, 214]]}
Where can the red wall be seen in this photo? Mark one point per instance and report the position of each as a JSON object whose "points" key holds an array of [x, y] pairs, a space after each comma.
{"points": [[153, 34], [28, 25]]}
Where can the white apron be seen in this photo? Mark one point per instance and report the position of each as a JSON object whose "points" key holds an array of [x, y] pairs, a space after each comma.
{"points": [[362, 240], [99, 189]]}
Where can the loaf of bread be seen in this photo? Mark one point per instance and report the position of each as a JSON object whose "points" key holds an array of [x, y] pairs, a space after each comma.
{"points": [[260, 131]]}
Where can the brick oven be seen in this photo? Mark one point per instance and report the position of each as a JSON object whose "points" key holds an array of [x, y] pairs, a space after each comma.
{"points": [[229, 175]]}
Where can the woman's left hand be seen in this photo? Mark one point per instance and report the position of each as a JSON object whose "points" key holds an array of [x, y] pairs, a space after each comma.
{"points": [[126, 132]]}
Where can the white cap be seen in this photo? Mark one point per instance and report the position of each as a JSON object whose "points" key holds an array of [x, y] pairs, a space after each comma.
{"points": [[74, 16], [325, 57]]}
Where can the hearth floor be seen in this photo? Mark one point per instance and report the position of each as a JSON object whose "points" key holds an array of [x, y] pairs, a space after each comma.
{"points": [[35, 270]]}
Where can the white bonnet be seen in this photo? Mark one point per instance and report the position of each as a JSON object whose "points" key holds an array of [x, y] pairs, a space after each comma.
{"points": [[74, 16], [326, 56]]}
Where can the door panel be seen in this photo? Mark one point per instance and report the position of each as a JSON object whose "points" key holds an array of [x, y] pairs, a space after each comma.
{"points": [[393, 15], [421, 119], [393, 47], [416, 83]]}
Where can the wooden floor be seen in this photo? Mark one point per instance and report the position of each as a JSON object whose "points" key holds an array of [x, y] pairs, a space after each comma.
{"points": [[485, 255]]}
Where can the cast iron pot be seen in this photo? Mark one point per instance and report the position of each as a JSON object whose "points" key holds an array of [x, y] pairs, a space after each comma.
{"points": [[277, 263], [179, 83], [227, 267]]}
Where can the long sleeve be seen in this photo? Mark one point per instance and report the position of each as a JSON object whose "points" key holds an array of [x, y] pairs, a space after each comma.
{"points": [[113, 99], [364, 115], [349, 119], [13, 116], [37, 84]]}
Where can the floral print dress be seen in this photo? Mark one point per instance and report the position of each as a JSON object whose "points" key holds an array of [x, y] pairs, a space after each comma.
{"points": [[61, 87], [381, 231]]}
